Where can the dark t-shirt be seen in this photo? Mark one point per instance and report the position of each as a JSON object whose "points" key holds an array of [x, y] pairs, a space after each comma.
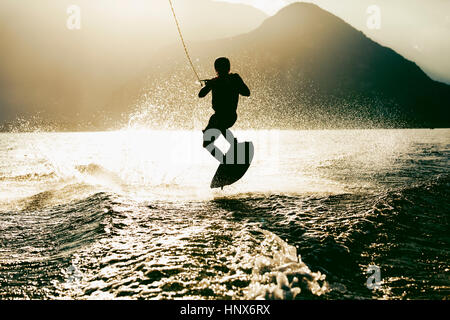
{"points": [[225, 92]]}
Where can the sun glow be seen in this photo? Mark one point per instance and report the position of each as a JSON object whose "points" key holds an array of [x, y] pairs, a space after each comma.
{"points": [[268, 6]]}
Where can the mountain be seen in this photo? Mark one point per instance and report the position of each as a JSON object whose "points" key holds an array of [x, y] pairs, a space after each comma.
{"points": [[307, 69], [416, 29], [69, 75]]}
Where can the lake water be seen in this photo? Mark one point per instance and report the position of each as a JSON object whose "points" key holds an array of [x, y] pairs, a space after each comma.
{"points": [[129, 214]]}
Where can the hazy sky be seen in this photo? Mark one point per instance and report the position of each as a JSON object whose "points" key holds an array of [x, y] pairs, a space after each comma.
{"points": [[44, 65], [268, 6], [417, 29]]}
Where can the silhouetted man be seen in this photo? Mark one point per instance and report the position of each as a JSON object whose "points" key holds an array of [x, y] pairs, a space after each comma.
{"points": [[226, 88]]}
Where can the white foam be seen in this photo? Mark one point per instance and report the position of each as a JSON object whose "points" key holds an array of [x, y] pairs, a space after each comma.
{"points": [[279, 273]]}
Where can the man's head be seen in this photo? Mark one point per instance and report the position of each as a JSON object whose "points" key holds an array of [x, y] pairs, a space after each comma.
{"points": [[222, 66]]}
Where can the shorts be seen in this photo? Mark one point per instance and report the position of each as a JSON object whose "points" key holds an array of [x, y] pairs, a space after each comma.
{"points": [[221, 121]]}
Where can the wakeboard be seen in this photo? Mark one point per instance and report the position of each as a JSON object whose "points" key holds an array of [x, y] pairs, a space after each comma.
{"points": [[235, 164]]}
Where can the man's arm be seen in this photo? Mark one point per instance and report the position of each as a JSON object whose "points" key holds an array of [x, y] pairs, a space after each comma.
{"points": [[243, 89], [205, 90]]}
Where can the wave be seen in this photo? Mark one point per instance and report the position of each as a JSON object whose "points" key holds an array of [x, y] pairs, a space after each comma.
{"points": [[56, 187], [56, 231], [258, 265], [118, 246], [30, 177], [92, 170], [405, 233], [279, 273]]}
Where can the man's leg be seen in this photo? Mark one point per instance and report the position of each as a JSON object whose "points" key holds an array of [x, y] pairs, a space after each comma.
{"points": [[209, 137], [212, 124], [217, 125]]}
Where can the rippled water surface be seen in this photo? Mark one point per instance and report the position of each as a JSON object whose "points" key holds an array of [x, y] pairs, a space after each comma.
{"points": [[130, 214]]}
